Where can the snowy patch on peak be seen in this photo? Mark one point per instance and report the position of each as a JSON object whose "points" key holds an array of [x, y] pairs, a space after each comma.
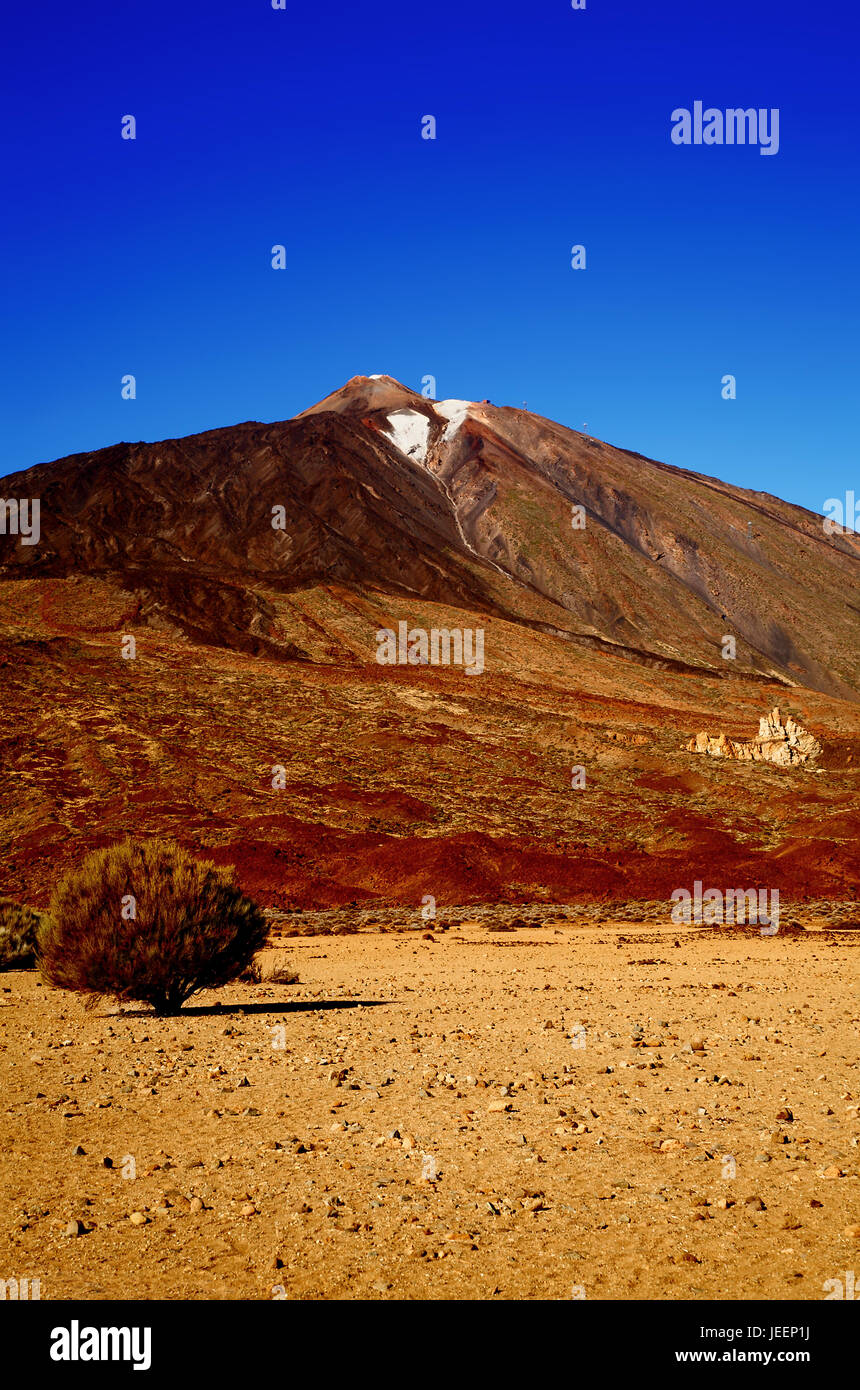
{"points": [[410, 432], [451, 408], [454, 412]]}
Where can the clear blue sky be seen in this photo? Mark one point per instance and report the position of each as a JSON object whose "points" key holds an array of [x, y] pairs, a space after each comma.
{"points": [[449, 257]]}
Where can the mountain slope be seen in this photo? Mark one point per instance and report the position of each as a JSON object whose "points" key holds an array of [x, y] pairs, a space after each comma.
{"points": [[256, 724], [457, 502]]}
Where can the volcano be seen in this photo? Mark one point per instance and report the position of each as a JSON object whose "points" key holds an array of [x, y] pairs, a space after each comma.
{"points": [[625, 605]]}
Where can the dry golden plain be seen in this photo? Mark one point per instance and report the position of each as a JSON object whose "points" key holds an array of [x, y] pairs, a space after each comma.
{"points": [[573, 1109]]}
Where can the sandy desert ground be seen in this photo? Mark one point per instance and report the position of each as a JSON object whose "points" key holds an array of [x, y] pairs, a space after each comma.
{"points": [[578, 1106]]}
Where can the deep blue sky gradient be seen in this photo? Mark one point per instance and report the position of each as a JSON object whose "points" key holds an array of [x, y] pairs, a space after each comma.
{"points": [[449, 257]]}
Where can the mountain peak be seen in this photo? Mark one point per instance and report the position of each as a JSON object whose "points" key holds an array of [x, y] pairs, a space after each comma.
{"points": [[362, 394], [486, 508]]}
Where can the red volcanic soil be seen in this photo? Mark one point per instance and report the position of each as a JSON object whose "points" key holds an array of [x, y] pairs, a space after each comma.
{"points": [[324, 869], [403, 782]]}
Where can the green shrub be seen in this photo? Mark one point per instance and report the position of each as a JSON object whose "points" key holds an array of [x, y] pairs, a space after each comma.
{"points": [[146, 921], [19, 928]]}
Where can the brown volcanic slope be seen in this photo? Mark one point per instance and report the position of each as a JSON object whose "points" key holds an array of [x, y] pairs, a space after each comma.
{"points": [[255, 649], [665, 565]]}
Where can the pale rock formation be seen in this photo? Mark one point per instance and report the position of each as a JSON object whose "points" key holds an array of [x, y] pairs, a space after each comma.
{"points": [[784, 744]]}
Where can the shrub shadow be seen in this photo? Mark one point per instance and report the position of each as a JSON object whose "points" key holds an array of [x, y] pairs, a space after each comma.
{"points": [[223, 1010]]}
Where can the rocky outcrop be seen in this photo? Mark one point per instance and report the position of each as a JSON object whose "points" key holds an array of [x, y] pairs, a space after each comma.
{"points": [[783, 744]]}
